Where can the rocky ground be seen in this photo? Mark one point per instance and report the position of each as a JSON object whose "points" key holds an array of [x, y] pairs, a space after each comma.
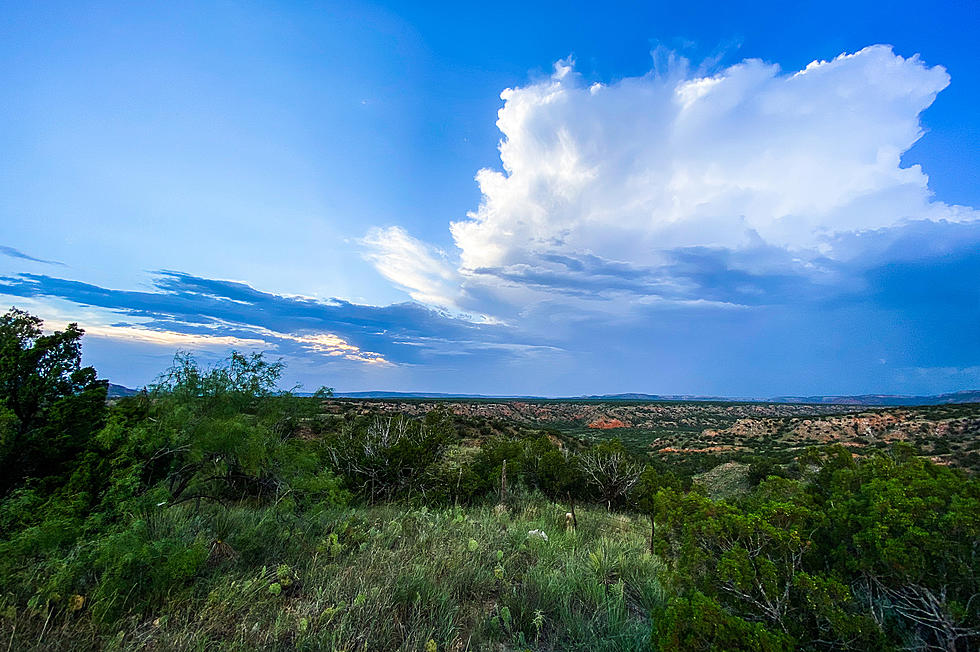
{"points": [[948, 433]]}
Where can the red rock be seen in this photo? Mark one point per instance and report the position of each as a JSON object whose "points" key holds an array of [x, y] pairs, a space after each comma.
{"points": [[606, 424]]}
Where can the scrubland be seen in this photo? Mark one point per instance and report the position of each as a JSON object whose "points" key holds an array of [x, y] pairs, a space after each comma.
{"points": [[215, 511]]}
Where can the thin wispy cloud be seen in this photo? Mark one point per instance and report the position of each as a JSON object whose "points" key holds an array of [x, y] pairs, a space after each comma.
{"points": [[16, 253], [186, 311]]}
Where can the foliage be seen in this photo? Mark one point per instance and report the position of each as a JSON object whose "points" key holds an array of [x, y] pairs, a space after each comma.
{"points": [[763, 468], [215, 510], [220, 433], [382, 577], [700, 623], [908, 531], [868, 554], [392, 456], [554, 471], [50, 405], [610, 472]]}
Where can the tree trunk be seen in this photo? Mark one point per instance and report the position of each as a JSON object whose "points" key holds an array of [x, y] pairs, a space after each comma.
{"points": [[653, 532], [571, 501]]}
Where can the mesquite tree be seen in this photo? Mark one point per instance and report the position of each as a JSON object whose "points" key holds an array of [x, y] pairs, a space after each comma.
{"points": [[50, 405], [610, 472]]}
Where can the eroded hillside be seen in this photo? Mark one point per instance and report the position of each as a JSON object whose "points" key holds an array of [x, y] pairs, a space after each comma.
{"points": [[713, 431]]}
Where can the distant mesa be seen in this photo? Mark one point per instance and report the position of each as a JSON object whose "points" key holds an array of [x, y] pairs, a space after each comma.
{"points": [[608, 424], [887, 400]]}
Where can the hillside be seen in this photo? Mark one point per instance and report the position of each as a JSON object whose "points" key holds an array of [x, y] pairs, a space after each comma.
{"points": [[715, 431], [219, 513]]}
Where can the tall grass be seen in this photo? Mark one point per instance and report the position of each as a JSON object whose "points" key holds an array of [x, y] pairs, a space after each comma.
{"points": [[374, 578]]}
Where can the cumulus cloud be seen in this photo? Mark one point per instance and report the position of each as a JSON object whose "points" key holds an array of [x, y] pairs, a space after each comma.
{"points": [[729, 188], [676, 232]]}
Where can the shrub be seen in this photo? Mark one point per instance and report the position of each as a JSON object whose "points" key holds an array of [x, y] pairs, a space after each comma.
{"points": [[700, 623]]}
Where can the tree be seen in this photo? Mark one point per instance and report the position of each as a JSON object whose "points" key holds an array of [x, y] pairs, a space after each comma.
{"points": [[220, 434], [392, 456], [649, 495], [906, 531], [496, 454], [556, 472], [878, 552], [610, 471], [50, 405]]}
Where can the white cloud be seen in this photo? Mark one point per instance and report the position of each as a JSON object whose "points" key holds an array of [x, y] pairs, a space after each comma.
{"points": [[602, 184], [336, 346], [327, 344], [101, 323], [416, 267], [173, 339]]}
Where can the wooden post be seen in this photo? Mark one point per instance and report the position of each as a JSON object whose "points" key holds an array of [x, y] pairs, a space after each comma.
{"points": [[653, 532], [458, 480], [503, 481]]}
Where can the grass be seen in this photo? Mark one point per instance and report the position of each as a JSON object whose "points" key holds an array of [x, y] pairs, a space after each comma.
{"points": [[728, 480], [383, 578]]}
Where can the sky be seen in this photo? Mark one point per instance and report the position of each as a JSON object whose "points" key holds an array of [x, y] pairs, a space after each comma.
{"points": [[525, 198]]}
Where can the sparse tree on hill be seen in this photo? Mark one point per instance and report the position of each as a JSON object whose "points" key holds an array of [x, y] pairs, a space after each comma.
{"points": [[649, 495], [610, 471]]}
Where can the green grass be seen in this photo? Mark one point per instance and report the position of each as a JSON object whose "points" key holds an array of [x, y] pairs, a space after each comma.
{"points": [[725, 481], [382, 578]]}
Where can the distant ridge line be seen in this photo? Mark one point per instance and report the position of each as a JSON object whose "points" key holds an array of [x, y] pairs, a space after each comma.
{"points": [[880, 400], [966, 396]]}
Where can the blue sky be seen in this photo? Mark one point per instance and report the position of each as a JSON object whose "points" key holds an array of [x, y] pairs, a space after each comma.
{"points": [[557, 199]]}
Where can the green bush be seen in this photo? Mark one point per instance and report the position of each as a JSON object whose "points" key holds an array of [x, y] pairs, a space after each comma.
{"points": [[216, 511], [699, 623]]}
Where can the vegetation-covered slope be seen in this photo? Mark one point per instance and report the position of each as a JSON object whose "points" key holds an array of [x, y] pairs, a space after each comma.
{"points": [[216, 512], [702, 435]]}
